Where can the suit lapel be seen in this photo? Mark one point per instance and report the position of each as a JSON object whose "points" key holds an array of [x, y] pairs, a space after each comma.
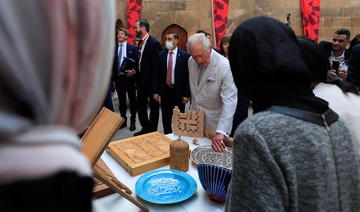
{"points": [[208, 72], [128, 50], [165, 54], [178, 55]]}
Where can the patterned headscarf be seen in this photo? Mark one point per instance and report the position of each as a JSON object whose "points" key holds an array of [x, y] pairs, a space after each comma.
{"points": [[55, 62]]}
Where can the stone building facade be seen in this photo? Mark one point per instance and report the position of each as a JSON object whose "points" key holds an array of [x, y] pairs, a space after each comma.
{"points": [[193, 15]]}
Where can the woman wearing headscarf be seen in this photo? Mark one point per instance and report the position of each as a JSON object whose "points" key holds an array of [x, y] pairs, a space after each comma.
{"points": [[55, 62], [293, 154], [354, 65], [343, 98]]}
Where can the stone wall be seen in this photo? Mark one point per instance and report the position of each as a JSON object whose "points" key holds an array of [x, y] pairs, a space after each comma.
{"points": [[121, 10], [196, 14]]}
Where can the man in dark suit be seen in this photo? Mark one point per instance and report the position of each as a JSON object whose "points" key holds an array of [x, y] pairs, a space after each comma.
{"points": [[171, 79], [123, 75], [148, 48], [336, 51]]}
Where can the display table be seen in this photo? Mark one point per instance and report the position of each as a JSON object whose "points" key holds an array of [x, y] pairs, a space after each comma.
{"points": [[197, 203]]}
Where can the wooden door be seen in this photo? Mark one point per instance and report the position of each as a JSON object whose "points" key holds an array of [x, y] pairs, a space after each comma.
{"points": [[183, 35]]}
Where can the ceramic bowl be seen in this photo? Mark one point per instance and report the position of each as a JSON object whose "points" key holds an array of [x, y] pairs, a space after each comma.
{"points": [[215, 180]]}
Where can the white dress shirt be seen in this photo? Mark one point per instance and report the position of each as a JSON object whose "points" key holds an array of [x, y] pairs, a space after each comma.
{"points": [[341, 59], [124, 45], [142, 47]]}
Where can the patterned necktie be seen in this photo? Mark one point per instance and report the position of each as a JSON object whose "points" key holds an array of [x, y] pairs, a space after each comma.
{"points": [[169, 70], [119, 58]]}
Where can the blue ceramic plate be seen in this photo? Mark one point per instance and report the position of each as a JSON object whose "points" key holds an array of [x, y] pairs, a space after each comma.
{"points": [[165, 186]]}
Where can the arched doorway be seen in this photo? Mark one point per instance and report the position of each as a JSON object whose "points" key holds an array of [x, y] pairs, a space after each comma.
{"points": [[119, 23], [183, 35]]}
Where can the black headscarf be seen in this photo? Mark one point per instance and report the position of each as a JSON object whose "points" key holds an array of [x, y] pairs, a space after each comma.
{"points": [[354, 66], [267, 66]]}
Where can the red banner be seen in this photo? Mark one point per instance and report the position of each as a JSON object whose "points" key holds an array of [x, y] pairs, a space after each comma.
{"points": [[220, 12], [310, 18], [133, 14]]}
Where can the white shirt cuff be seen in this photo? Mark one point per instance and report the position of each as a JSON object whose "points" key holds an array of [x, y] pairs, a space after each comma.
{"points": [[222, 132]]}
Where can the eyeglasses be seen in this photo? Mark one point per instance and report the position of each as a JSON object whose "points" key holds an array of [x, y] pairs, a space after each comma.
{"points": [[339, 40]]}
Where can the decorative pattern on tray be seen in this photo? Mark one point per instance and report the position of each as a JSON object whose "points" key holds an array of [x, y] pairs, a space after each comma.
{"points": [[189, 124], [207, 155], [142, 153]]}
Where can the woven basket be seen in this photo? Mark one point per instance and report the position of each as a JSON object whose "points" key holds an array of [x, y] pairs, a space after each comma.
{"points": [[179, 155]]}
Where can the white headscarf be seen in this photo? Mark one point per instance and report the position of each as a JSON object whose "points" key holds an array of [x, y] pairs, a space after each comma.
{"points": [[55, 63]]}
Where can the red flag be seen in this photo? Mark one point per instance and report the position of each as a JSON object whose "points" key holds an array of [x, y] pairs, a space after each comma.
{"points": [[220, 14], [310, 18], [133, 14]]}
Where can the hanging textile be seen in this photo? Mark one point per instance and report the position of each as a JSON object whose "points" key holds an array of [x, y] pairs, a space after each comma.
{"points": [[133, 14], [220, 15], [310, 18]]}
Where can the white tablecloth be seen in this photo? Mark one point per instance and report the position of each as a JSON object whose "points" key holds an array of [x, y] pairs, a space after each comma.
{"points": [[197, 203]]}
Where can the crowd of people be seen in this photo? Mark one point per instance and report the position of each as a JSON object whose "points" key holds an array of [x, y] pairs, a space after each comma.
{"points": [[165, 78], [299, 151]]}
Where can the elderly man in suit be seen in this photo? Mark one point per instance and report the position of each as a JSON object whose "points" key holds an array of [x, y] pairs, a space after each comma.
{"points": [[123, 76], [212, 87], [148, 48], [171, 79]]}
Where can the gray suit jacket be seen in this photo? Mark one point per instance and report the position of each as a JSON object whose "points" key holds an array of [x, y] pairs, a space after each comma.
{"points": [[216, 93]]}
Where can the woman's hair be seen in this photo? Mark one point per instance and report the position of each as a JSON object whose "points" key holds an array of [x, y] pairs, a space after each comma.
{"points": [[224, 39], [198, 38]]}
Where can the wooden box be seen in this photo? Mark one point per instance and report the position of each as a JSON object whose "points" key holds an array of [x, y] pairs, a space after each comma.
{"points": [[98, 135], [142, 153]]}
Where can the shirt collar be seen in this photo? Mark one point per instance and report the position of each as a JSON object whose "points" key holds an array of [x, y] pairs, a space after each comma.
{"points": [[174, 51], [144, 39], [342, 56]]}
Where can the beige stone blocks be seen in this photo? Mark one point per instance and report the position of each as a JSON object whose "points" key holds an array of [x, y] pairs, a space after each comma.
{"points": [[196, 14]]}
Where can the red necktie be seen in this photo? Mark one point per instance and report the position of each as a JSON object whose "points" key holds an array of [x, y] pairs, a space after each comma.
{"points": [[169, 70]]}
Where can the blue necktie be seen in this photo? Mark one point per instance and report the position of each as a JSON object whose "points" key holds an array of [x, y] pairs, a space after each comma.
{"points": [[119, 58]]}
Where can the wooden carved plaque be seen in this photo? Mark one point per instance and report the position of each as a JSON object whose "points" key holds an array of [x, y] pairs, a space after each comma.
{"points": [[189, 124]]}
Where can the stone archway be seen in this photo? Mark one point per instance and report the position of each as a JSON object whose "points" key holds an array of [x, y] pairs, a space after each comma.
{"points": [[119, 23], [183, 35]]}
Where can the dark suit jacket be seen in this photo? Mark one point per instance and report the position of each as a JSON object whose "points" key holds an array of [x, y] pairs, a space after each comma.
{"points": [[146, 73], [182, 87], [131, 52]]}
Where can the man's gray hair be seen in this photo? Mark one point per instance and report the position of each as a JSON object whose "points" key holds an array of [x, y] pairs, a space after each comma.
{"points": [[198, 38]]}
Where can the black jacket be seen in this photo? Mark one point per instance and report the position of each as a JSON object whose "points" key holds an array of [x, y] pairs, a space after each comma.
{"points": [[145, 74]]}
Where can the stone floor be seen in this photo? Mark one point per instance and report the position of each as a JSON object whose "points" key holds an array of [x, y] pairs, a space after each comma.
{"points": [[125, 132]]}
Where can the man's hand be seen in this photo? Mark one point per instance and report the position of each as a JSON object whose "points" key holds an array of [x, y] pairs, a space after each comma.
{"points": [[342, 74], [156, 97], [185, 100], [129, 73], [218, 143]]}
